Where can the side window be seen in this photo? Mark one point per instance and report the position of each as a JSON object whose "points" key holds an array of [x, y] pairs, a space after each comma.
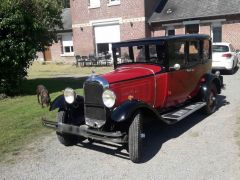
{"points": [[194, 52], [176, 53], [153, 57], [206, 50], [139, 53]]}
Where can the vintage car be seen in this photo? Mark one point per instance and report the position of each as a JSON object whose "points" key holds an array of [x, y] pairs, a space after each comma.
{"points": [[165, 77]]}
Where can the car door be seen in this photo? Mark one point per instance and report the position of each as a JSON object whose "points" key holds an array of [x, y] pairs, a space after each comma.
{"points": [[179, 86], [195, 68]]}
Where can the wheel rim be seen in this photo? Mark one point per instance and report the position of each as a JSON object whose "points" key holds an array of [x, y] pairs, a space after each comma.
{"points": [[212, 100]]}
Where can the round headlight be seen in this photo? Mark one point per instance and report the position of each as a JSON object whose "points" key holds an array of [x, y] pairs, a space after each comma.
{"points": [[109, 98], [69, 95]]}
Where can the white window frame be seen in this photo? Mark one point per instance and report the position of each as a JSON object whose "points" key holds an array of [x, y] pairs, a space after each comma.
{"points": [[96, 4], [168, 29], [114, 2], [71, 53]]}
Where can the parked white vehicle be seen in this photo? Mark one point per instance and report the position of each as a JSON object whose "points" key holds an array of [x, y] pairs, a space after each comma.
{"points": [[224, 57]]}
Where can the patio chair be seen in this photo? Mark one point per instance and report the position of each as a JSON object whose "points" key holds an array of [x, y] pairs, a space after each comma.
{"points": [[85, 60], [108, 59], [93, 59], [78, 59]]}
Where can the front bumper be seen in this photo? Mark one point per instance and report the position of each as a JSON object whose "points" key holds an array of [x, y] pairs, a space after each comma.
{"points": [[87, 132]]}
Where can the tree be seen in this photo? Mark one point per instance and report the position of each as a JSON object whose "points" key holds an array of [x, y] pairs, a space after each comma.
{"points": [[26, 27]]}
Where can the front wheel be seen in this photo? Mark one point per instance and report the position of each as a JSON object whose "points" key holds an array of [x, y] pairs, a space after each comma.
{"points": [[65, 139], [135, 139], [211, 100]]}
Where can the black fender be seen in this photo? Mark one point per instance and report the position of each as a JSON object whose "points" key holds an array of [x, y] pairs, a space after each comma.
{"points": [[60, 103], [125, 111], [75, 111], [211, 79]]}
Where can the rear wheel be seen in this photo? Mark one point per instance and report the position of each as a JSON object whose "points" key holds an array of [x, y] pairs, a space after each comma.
{"points": [[65, 139], [211, 100], [135, 139], [231, 71]]}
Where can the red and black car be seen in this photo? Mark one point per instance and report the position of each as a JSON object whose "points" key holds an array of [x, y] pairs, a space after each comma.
{"points": [[169, 77]]}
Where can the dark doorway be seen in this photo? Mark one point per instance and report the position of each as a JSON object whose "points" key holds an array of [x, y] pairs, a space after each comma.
{"points": [[102, 47], [192, 29], [47, 55]]}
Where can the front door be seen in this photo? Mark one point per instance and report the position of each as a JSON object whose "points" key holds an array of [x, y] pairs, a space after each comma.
{"points": [[179, 85], [47, 55]]}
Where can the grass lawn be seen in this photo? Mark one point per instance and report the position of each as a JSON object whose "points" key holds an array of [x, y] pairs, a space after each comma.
{"points": [[20, 116]]}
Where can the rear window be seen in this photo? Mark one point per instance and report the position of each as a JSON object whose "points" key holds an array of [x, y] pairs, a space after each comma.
{"points": [[220, 48]]}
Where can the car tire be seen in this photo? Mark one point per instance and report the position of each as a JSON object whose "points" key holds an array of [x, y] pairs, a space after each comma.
{"points": [[211, 100], [231, 71], [135, 139], [66, 139]]}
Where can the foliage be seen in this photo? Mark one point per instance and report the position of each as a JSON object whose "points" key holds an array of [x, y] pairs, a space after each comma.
{"points": [[26, 27]]}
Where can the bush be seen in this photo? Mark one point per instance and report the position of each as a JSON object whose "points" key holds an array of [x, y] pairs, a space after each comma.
{"points": [[26, 27]]}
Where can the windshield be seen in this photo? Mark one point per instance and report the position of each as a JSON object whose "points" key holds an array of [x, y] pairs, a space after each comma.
{"points": [[220, 48], [150, 53]]}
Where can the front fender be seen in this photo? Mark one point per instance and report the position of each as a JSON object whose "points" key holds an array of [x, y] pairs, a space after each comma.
{"points": [[58, 102], [212, 78], [125, 111]]}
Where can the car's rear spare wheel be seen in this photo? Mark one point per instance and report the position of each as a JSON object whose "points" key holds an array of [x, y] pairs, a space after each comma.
{"points": [[211, 100], [135, 138], [66, 139]]}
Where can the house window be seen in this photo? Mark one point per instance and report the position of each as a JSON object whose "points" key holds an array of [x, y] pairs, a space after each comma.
{"points": [[170, 32], [113, 2], [217, 34], [192, 29], [65, 3], [67, 44], [94, 3]]}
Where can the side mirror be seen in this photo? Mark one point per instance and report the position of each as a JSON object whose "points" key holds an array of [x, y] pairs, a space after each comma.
{"points": [[176, 67]]}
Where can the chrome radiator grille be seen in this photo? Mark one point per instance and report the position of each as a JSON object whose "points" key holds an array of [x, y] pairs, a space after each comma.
{"points": [[95, 113]]}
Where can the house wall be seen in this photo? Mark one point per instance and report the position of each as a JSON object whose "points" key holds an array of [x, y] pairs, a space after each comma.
{"points": [[126, 12], [231, 33], [81, 13]]}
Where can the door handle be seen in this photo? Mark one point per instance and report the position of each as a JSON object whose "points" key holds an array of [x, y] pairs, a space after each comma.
{"points": [[190, 70]]}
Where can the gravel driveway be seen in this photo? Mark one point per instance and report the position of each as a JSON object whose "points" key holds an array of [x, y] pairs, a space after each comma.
{"points": [[197, 148]]}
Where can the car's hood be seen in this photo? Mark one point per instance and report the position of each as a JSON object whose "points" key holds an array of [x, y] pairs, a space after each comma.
{"points": [[130, 72]]}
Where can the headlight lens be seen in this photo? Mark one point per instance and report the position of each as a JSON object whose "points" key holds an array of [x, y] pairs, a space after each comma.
{"points": [[109, 98], [69, 95]]}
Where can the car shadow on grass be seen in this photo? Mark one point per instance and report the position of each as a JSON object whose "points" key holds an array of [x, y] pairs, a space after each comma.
{"points": [[53, 85], [157, 133]]}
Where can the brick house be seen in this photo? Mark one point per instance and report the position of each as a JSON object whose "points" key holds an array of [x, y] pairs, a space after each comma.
{"points": [[90, 26], [218, 18], [98, 23]]}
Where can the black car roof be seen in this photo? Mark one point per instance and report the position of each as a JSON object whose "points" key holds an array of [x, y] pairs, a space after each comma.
{"points": [[159, 39]]}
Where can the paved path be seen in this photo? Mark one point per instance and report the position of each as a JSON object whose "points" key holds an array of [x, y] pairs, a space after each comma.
{"points": [[197, 148]]}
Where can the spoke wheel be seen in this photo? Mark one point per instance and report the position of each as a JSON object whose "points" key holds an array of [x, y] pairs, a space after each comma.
{"points": [[66, 139], [211, 100], [135, 138]]}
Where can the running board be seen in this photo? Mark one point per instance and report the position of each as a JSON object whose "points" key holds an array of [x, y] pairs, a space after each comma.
{"points": [[179, 114]]}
